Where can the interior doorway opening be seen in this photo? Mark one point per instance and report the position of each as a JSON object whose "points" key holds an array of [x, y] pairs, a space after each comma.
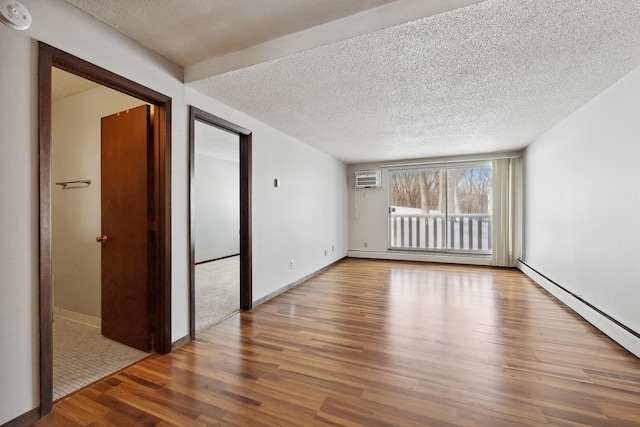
{"points": [[158, 249], [87, 311], [217, 224], [213, 243]]}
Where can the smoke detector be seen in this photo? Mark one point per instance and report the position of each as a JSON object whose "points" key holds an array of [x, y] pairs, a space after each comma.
{"points": [[14, 14]]}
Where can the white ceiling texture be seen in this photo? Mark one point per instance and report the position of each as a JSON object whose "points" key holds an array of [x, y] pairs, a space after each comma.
{"points": [[380, 80]]}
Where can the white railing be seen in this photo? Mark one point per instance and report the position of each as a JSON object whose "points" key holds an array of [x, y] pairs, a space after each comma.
{"points": [[466, 232]]}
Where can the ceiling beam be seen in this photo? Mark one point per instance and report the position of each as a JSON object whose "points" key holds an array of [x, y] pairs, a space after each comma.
{"points": [[388, 15]]}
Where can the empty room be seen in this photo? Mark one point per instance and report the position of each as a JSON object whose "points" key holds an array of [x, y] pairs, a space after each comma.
{"points": [[353, 213]]}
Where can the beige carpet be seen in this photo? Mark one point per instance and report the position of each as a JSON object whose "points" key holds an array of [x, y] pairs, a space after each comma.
{"points": [[217, 291]]}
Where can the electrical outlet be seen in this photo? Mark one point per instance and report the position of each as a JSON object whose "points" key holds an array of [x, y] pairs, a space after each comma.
{"points": [[366, 244], [291, 264], [332, 248], [326, 252]]}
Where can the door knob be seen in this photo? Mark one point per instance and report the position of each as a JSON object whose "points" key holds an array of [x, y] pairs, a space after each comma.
{"points": [[102, 239]]}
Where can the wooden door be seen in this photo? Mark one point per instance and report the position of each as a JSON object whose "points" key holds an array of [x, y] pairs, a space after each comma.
{"points": [[127, 227]]}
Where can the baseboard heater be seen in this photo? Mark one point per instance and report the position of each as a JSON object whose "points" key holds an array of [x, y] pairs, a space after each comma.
{"points": [[585, 302]]}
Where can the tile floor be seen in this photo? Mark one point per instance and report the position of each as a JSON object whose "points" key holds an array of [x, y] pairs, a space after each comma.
{"points": [[81, 355]]}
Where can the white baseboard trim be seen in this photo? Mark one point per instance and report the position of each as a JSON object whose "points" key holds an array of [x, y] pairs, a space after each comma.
{"points": [[85, 319], [609, 327], [410, 256]]}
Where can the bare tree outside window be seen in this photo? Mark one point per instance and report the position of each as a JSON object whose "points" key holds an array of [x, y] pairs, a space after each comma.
{"points": [[425, 216], [470, 189]]}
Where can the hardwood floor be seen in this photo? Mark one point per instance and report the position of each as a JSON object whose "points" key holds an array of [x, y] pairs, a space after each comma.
{"points": [[380, 343]]}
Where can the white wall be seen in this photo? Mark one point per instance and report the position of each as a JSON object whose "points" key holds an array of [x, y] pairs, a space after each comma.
{"points": [[217, 208], [297, 221], [76, 220], [581, 207], [19, 323], [368, 224]]}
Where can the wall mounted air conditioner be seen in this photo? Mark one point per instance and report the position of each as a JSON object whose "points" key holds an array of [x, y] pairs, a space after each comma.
{"points": [[368, 179]]}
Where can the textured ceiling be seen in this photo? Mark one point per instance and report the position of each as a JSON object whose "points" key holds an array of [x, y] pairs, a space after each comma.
{"points": [[64, 84], [488, 77], [190, 31]]}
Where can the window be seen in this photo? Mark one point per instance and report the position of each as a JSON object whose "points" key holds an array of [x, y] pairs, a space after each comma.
{"points": [[441, 209]]}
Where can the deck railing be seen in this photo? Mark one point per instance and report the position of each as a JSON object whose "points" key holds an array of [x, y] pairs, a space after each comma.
{"points": [[467, 232]]}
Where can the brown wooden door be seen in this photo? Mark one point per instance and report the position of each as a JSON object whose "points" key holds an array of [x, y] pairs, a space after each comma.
{"points": [[127, 223]]}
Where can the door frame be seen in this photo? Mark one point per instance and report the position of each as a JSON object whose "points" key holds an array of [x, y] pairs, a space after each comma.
{"points": [[49, 57], [245, 135]]}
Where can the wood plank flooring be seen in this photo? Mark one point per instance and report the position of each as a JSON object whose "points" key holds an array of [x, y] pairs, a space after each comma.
{"points": [[382, 343]]}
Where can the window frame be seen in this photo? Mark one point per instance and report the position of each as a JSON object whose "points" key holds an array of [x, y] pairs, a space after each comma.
{"points": [[446, 249]]}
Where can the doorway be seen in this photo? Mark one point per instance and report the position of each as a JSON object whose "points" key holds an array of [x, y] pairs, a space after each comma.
{"points": [[215, 252], [89, 125], [217, 224], [158, 197]]}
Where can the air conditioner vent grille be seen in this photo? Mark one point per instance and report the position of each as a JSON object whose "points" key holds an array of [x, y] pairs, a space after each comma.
{"points": [[368, 179]]}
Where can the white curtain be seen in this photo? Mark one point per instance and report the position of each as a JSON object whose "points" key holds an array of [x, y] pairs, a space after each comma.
{"points": [[507, 212]]}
